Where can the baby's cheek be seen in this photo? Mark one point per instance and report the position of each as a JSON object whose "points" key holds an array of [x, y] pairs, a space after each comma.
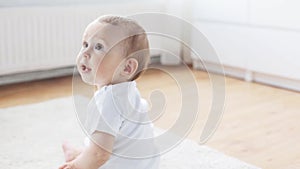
{"points": [[77, 59], [99, 71]]}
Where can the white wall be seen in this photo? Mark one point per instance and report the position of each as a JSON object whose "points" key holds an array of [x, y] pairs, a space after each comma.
{"points": [[260, 36]]}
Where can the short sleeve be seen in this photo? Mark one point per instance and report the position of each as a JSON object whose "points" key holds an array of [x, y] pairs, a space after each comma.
{"points": [[104, 114]]}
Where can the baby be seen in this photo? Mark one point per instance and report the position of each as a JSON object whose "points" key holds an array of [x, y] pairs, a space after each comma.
{"points": [[114, 53]]}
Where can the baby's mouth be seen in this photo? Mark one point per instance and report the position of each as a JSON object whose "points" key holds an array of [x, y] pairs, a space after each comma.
{"points": [[85, 69]]}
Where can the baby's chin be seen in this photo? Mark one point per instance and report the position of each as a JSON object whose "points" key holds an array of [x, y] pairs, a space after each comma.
{"points": [[87, 81], [92, 82]]}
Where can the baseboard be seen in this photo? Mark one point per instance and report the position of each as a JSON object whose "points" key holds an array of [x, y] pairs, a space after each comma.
{"points": [[154, 59], [276, 81], [248, 75], [36, 75], [216, 68]]}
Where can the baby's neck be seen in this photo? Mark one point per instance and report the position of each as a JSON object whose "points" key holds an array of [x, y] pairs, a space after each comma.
{"points": [[99, 86]]}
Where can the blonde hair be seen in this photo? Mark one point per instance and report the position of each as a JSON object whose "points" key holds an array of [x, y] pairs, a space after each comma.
{"points": [[136, 43]]}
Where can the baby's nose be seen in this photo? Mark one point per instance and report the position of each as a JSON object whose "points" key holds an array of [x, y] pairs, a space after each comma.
{"points": [[86, 55]]}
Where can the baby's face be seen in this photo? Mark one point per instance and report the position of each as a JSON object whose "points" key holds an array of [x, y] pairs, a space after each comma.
{"points": [[99, 58]]}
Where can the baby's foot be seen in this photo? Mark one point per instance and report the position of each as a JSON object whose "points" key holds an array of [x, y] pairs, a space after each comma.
{"points": [[70, 151]]}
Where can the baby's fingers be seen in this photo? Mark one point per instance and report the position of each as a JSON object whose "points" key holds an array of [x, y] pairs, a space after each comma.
{"points": [[65, 166]]}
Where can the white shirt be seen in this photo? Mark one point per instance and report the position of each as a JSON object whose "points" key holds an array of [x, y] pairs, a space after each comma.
{"points": [[120, 111]]}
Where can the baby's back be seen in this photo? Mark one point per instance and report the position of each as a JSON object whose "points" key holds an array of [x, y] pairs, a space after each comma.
{"points": [[122, 113]]}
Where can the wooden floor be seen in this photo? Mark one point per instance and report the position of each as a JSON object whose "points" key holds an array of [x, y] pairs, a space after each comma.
{"points": [[260, 124]]}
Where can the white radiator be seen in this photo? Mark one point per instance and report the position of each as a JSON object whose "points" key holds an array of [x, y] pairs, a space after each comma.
{"points": [[41, 38], [38, 38]]}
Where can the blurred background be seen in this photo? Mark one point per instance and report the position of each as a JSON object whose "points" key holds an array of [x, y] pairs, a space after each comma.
{"points": [[256, 40], [257, 43]]}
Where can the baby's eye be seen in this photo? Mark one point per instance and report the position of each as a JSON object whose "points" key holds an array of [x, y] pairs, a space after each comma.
{"points": [[85, 44], [98, 46]]}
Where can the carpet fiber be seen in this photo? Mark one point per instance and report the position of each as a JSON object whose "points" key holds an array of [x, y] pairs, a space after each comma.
{"points": [[31, 137]]}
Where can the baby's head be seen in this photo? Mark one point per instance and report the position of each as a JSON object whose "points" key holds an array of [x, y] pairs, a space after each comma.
{"points": [[114, 49]]}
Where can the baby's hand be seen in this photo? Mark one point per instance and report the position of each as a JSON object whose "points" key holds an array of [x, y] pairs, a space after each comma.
{"points": [[68, 165]]}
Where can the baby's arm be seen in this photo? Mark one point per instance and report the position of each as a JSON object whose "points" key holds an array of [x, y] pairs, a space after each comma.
{"points": [[95, 155]]}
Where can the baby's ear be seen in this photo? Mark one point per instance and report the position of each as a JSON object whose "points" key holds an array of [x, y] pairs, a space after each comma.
{"points": [[130, 67]]}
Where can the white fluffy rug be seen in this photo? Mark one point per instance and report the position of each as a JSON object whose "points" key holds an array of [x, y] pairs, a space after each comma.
{"points": [[31, 138]]}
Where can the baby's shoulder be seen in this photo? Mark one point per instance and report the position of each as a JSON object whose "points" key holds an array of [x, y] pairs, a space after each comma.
{"points": [[119, 96]]}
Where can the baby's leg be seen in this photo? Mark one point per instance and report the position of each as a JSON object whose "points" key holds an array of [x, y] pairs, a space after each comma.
{"points": [[70, 151]]}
